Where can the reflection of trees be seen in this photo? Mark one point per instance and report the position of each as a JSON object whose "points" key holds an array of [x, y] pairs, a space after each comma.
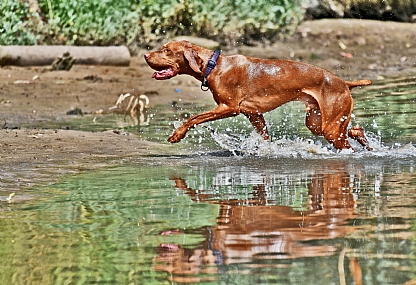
{"points": [[267, 218], [253, 228]]}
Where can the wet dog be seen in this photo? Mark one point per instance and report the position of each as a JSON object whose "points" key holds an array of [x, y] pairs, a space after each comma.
{"points": [[253, 86]]}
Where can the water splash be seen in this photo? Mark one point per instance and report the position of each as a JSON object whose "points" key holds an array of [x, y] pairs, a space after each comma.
{"points": [[285, 147]]}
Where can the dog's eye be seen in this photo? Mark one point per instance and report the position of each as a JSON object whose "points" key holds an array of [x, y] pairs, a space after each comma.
{"points": [[166, 50]]}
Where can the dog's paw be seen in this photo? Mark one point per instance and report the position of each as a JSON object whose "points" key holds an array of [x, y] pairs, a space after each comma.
{"points": [[173, 139], [176, 137]]}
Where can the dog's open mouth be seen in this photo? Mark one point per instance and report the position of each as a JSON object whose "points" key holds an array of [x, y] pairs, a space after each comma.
{"points": [[164, 74]]}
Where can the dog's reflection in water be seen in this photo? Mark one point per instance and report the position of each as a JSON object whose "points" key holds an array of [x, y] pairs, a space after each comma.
{"points": [[258, 230]]}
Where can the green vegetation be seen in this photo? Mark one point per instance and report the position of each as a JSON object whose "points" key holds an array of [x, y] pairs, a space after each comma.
{"points": [[140, 22], [105, 22], [15, 25]]}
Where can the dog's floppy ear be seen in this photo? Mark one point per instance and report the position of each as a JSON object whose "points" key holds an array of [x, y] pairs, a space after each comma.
{"points": [[192, 57]]}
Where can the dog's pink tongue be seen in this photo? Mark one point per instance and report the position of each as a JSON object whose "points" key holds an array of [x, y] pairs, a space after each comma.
{"points": [[163, 74]]}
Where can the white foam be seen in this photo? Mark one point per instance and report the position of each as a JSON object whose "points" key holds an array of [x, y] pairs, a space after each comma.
{"points": [[255, 145]]}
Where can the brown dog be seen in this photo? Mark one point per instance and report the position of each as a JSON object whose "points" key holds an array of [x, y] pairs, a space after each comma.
{"points": [[252, 86]]}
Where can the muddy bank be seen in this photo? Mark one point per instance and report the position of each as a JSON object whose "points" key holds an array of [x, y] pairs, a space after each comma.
{"points": [[352, 49], [31, 157]]}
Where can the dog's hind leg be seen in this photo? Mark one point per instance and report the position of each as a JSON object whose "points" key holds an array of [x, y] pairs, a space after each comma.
{"points": [[313, 119], [338, 137], [335, 133], [335, 122]]}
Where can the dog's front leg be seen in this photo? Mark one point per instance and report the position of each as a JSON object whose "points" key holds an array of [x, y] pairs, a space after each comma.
{"points": [[259, 124], [222, 111]]}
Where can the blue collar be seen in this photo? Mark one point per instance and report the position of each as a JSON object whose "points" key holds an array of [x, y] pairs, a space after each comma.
{"points": [[210, 66]]}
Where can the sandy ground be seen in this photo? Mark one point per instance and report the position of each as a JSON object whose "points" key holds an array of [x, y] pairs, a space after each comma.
{"points": [[352, 49]]}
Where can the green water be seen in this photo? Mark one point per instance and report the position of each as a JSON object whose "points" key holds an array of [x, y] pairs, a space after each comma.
{"points": [[217, 220], [388, 108], [208, 216], [97, 228]]}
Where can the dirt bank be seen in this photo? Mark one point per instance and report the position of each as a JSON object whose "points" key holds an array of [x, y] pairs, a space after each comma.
{"points": [[352, 49], [30, 157]]}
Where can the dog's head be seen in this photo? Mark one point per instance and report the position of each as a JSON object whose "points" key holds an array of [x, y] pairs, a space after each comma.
{"points": [[174, 58]]}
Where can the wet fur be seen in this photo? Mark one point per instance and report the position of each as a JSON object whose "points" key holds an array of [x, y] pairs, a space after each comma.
{"points": [[253, 86]]}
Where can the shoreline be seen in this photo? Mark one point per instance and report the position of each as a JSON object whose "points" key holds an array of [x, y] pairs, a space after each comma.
{"points": [[33, 157]]}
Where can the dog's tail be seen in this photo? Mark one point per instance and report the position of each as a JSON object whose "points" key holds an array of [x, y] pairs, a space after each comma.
{"points": [[355, 83]]}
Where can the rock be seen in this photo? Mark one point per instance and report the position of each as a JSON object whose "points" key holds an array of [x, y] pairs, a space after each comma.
{"points": [[76, 111], [316, 9], [361, 41], [64, 62], [401, 11]]}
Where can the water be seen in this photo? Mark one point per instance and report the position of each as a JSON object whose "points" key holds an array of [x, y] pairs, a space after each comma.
{"points": [[234, 210], [219, 220]]}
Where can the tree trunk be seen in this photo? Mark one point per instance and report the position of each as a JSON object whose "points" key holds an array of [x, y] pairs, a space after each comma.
{"points": [[45, 55]]}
